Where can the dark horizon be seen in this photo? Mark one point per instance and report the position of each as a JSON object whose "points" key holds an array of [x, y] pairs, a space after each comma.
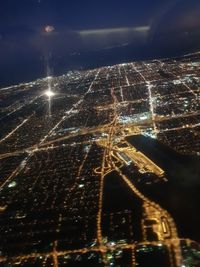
{"points": [[77, 35], [81, 62]]}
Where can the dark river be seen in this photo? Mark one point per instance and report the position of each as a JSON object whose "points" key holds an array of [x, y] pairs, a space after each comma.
{"points": [[180, 196]]}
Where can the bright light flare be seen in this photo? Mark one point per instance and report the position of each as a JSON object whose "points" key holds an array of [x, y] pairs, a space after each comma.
{"points": [[49, 93]]}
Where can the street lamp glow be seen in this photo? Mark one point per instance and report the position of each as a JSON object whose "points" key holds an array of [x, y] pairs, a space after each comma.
{"points": [[49, 93]]}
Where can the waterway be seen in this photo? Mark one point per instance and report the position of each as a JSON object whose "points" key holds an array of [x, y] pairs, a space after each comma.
{"points": [[180, 195]]}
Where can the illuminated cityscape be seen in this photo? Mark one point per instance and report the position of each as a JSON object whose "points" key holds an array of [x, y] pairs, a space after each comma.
{"points": [[86, 167]]}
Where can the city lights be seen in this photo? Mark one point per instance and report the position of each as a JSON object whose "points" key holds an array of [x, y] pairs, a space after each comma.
{"points": [[71, 157]]}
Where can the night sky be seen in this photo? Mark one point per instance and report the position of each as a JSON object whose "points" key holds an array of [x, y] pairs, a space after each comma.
{"points": [[87, 34]]}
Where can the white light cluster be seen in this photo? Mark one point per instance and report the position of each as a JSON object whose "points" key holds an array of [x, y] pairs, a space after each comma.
{"points": [[49, 93]]}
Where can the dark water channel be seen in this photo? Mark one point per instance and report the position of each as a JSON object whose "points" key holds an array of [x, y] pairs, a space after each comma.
{"points": [[180, 196]]}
